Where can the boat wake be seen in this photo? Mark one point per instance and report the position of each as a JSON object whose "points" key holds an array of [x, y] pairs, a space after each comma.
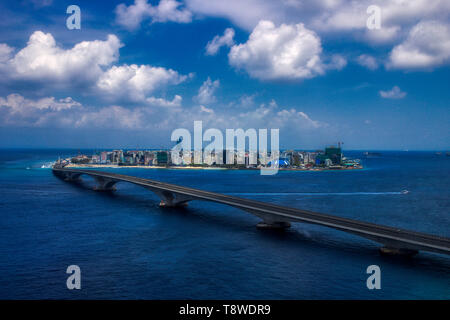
{"points": [[47, 165], [262, 194]]}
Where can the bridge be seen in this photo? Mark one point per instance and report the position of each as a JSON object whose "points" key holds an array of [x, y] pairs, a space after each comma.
{"points": [[394, 241]]}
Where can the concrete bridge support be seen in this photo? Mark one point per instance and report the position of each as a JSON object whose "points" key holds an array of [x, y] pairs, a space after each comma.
{"points": [[105, 184], [71, 176], [395, 241], [171, 199], [276, 225], [390, 251], [270, 222]]}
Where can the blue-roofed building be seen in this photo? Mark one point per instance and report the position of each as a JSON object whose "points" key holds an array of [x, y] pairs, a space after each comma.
{"points": [[282, 163]]}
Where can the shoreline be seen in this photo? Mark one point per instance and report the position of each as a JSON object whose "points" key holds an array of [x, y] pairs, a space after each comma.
{"points": [[113, 166]]}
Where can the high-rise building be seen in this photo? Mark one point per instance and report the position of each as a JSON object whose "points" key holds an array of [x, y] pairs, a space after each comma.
{"points": [[334, 154], [162, 157]]}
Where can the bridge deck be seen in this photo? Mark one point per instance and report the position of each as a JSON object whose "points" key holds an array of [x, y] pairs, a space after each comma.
{"points": [[392, 237]]}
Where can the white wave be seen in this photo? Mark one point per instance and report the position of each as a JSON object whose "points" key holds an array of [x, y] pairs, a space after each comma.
{"points": [[47, 165], [315, 193]]}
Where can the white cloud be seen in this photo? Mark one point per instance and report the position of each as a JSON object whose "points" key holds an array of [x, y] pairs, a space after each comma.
{"points": [[5, 52], [328, 16], [42, 59], [206, 110], [116, 117], [284, 52], [396, 16], [394, 93], [244, 13], [218, 41], [18, 103], [206, 92], [167, 10], [88, 66], [384, 35], [245, 101], [427, 46], [367, 61], [342, 16], [132, 16], [136, 82], [15, 110], [176, 102], [18, 110], [272, 116], [337, 62]]}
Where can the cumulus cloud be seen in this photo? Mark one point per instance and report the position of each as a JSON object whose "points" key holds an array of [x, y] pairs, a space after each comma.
{"points": [[112, 117], [136, 82], [160, 102], [168, 10], [18, 103], [87, 65], [290, 121], [132, 16], [5, 52], [270, 115], [340, 16], [382, 36], [284, 52], [244, 13], [337, 62], [217, 42], [427, 46], [328, 16], [367, 61], [394, 93], [206, 92], [18, 110], [245, 101], [42, 59], [206, 110]]}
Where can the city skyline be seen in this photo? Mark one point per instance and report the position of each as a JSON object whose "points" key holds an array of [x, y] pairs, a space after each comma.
{"points": [[137, 70]]}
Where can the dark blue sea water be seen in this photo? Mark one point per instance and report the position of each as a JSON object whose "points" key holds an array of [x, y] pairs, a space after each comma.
{"points": [[128, 247]]}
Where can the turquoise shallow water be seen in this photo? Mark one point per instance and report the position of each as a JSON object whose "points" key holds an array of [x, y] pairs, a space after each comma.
{"points": [[128, 247]]}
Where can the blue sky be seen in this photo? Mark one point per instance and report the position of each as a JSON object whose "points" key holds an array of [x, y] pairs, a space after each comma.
{"points": [[137, 70]]}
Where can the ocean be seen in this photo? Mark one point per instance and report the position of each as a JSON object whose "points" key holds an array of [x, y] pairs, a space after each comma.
{"points": [[127, 247]]}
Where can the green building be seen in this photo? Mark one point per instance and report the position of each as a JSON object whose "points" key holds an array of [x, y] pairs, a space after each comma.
{"points": [[162, 157], [334, 154]]}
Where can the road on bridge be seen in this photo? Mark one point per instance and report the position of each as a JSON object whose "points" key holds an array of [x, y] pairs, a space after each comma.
{"points": [[395, 241]]}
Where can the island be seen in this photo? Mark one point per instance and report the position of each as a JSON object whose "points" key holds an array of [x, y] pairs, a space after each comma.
{"points": [[331, 158]]}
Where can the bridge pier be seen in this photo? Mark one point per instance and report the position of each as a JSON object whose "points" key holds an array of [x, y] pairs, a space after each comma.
{"points": [[269, 222], [105, 184], [278, 225], [171, 199], [390, 251], [71, 176], [395, 241]]}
